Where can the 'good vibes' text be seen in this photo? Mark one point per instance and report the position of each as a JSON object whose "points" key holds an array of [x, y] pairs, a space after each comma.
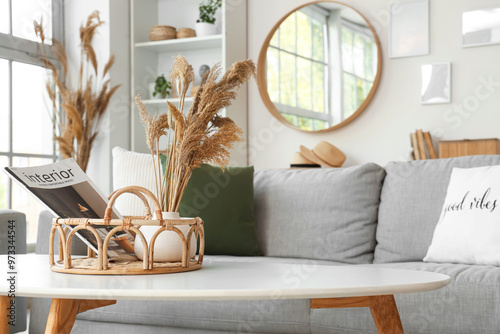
{"points": [[480, 203]]}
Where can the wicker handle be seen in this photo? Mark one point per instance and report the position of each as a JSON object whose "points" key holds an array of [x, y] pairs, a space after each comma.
{"points": [[139, 192]]}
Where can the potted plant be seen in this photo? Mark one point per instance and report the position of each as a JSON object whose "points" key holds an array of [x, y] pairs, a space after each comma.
{"points": [[161, 88], [205, 25], [195, 136]]}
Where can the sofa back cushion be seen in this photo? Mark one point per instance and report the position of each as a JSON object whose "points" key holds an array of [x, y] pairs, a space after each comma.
{"points": [[324, 214], [411, 201]]}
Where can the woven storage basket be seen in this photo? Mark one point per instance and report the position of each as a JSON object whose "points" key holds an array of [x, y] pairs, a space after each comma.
{"points": [[160, 33], [185, 33]]}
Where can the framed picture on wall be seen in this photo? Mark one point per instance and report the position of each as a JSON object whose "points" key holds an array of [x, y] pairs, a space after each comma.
{"points": [[436, 83], [481, 27], [409, 28]]}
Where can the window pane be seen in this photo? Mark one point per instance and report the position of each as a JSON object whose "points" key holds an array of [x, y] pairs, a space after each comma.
{"points": [[32, 123], [23, 14], [305, 123], [275, 40], [369, 57], [287, 34], [4, 17], [4, 105], [24, 202], [347, 61], [318, 92], [358, 55], [273, 74], [318, 41], [4, 179], [304, 35], [320, 125], [287, 79], [290, 118], [304, 84], [349, 96], [361, 94]]}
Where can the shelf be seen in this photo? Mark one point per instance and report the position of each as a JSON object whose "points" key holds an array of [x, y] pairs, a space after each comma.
{"points": [[164, 101], [182, 44]]}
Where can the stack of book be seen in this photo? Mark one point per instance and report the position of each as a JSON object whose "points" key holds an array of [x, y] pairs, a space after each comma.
{"points": [[422, 145]]}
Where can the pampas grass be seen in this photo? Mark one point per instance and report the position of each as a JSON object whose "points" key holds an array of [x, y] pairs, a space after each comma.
{"points": [[81, 108], [198, 136]]}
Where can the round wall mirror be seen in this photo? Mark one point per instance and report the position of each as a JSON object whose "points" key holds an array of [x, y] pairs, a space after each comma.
{"points": [[319, 66]]}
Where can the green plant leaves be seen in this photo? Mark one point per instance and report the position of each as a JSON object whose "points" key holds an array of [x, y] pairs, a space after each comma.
{"points": [[208, 10]]}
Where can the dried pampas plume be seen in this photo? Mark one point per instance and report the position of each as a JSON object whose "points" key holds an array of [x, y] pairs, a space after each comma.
{"points": [[77, 118], [198, 136]]}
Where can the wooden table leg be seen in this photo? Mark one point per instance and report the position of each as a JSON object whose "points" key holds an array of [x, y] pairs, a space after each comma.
{"points": [[4, 314], [384, 310], [385, 314], [63, 313], [62, 316]]}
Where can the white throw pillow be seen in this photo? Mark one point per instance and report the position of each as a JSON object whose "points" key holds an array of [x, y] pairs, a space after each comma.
{"points": [[468, 230], [132, 169]]}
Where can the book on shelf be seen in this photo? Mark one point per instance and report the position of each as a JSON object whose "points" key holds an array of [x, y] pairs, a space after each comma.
{"points": [[421, 143], [66, 190]]}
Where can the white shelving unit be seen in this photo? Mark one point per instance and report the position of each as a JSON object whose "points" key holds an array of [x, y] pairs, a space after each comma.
{"points": [[164, 101], [150, 59]]}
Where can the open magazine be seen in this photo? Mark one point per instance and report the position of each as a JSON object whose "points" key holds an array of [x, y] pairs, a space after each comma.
{"points": [[69, 193]]}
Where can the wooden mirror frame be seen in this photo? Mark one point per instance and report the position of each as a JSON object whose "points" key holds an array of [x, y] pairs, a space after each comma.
{"points": [[261, 73]]}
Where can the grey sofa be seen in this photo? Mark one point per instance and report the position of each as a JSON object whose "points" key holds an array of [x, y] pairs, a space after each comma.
{"points": [[365, 216], [18, 220]]}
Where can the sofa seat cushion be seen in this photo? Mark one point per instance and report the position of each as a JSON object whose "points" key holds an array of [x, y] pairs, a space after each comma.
{"points": [[469, 304], [410, 205], [323, 214], [260, 316]]}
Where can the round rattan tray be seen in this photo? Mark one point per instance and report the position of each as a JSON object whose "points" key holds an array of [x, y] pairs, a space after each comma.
{"points": [[102, 263]]}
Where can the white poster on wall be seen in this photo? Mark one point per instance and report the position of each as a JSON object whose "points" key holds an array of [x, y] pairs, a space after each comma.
{"points": [[481, 27], [436, 83], [409, 28]]}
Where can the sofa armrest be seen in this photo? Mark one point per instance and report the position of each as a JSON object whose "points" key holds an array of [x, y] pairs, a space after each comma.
{"points": [[19, 222], [78, 247]]}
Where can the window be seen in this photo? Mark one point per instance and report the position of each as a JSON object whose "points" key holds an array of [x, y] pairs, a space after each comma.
{"points": [[358, 65], [297, 69], [26, 128]]}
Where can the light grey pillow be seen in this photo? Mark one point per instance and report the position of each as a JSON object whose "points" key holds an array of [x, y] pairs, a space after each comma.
{"points": [[324, 214], [411, 201]]}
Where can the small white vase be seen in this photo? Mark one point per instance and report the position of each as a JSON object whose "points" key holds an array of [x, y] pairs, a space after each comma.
{"points": [[168, 244], [205, 29]]}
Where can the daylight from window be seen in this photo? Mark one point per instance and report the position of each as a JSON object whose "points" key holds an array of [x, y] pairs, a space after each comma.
{"points": [[302, 69], [26, 127]]}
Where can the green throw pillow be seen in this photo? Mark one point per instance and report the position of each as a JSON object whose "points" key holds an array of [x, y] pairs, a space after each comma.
{"points": [[224, 200]]}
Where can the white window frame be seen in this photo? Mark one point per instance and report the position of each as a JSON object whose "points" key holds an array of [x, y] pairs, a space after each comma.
{"points": [[21, 50], [318, 14], [356, 29]]}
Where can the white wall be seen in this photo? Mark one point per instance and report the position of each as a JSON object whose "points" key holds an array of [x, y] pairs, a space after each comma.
{"points": [[381, 133], [112, 38]]}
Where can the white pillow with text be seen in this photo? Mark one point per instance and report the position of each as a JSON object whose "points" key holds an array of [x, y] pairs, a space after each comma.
{"points": [[468, 230]]}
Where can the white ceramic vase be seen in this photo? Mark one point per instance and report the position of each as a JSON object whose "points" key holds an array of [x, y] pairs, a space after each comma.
{"points": [[205, 29], [168, 244]]}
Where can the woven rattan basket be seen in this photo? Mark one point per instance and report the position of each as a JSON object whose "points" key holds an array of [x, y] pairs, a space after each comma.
{"points": [[161, 32], [101, 265], [186, 33]]}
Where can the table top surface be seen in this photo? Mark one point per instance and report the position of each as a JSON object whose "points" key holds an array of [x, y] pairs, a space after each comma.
{"points": [[218, 281]]}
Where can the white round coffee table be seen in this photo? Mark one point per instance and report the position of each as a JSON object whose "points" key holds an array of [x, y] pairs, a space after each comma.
{"points": [[326, 286]]}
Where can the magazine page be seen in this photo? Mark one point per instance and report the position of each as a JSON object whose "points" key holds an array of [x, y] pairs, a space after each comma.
{"points": [[68, 192]]}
